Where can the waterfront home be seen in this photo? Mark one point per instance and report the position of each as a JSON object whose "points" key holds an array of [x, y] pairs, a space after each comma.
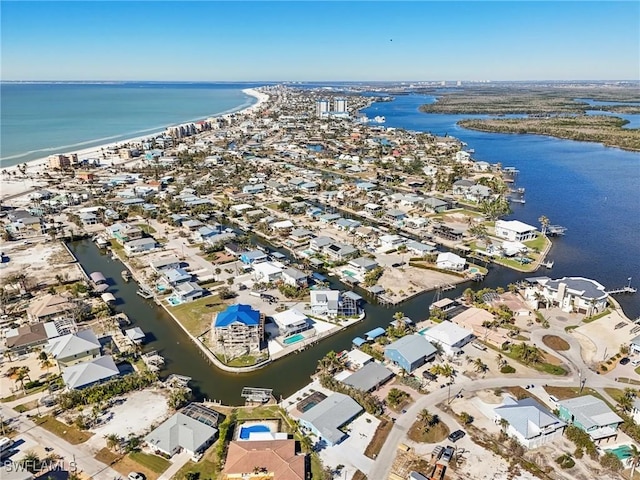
{"points": [[88, 218], [325, 419], [124, 232], [372, 208], [318, 243], [339, 251], [420, 249], [50, 307], [283, 228], [204, 233], [26, 337], [450, 261], [254, 189], [410, 352], [634, 346], [447, 232], [417, 222], [291, 322], [174, 276], [258, 459], [329, 218], [449, 336], [435, 205], [300, 234], [237, 330], [362, 265], [531, 424], [139, 246], [365, 186], [85, 374], [394, 216], [294, 277], [391, 242], [369, 377], [591, 415], [325, 302], [253, 257], [188, 291], [136, 335], [192, 224], [570, 294], [190, 432], [356, 359], [165, 263], [74, 348], [347, 224], [515, 230], [266, 272]]}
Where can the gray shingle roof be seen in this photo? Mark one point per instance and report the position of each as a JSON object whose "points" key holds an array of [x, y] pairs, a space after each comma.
{"points": [[369, 377], [87, 373], [332, 413], [412, 347], [181, 431]]}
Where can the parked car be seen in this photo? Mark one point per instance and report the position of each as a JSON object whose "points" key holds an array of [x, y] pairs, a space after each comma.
{"points": [[624, 360], [553, 398], [448, 454], [135, 476], [635, 362], [457, 435]]}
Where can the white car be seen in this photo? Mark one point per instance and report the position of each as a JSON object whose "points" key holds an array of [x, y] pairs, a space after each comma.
{"points": [[135, 476]]}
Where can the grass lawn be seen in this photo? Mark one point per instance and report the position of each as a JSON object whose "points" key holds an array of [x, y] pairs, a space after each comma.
{"points": [[152, 462], [259, 413], [69, 433], [516, 265], [435, 434], [243, 361], [538, 243], [317, 472], [596, 317], [540, 366], [382, 432], [148, 229], [615, 393], [521, 393], [629, 381], [206, 467], [196, 316], [563, 393], [556, 343]]}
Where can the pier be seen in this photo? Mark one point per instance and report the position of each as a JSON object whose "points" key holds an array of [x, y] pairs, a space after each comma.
{"points": [[617, 291]]}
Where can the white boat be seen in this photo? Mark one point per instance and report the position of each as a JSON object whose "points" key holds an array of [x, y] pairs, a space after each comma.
{"points": [[379, 119]]}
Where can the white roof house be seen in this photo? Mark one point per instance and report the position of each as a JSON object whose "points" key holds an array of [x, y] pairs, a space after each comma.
{"points": [[515, 230], [450, 261], [85, 374], [291, 321], [266, 272], [450, 336], [529, 422], [356, 359]]}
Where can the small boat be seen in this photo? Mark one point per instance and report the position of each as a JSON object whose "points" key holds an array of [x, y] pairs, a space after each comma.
{"points": [[145, 292], [126, 275]]}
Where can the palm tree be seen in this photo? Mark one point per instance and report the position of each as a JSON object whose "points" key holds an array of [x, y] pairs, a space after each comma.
{"points": [[625, 403], [504, 424], [500, 360], [45, 361], [21, 374], [480, 366], [544, 222], [427, 418], [634, 458], [113, 441]]}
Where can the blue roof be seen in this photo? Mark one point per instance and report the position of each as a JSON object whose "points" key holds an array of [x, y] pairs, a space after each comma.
{"points": [[238, 313], [375, 333], [358, 341]]}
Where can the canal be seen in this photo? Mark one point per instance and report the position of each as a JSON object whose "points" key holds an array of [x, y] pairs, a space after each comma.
{"points": [[284, 376]]}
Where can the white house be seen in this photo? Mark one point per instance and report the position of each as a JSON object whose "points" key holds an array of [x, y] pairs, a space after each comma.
{"points": [[139, 246], [515, 230], [529, 423], [450, 261], [291, 321], [450, 336], [389, 242], [266, 272], [294, 277], [571, 294], [325, 302]]}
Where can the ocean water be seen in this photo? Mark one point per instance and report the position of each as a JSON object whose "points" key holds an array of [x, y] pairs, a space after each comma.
{"points": [[586, 187], [40, 119]]}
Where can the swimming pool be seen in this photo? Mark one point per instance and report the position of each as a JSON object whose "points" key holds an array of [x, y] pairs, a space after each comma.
{"points": [[174, 301], [621, 451], [296, 338], [474, 270], [245, 432], [421, 332], [348, 273], [161, 288]]}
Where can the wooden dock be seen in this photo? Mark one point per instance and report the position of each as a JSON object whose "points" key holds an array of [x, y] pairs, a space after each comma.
{"points": [[626, 289]]}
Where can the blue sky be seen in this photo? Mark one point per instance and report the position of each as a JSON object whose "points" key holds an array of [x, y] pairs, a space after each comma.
{"points": [[306, 41]]}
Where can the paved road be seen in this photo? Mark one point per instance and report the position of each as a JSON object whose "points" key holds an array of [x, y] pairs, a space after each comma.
{"points": [[81, 454]]}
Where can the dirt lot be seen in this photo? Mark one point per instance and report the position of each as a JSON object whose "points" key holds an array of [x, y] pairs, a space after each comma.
{"points": [[556, 343], [47, 258]]}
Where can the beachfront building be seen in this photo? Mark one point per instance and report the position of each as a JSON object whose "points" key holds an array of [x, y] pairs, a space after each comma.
{"points": [[449, 336], [291, 321], [570, 294], [515, 230], [531, 424], [410, 352], [238, 330], [265, 459], [591, 415], [325, 418], [74, 348]]}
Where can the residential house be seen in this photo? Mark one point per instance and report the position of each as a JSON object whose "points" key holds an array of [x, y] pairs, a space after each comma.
{"points": [[291, 322], [74, 348], [139, 246], [188, 291], [294, 277], [531, 424], [515, 230], [410, 352], [165, 263], [435, 205], [204, 233], [339, 251], [420, 249], [253, 257], [361, 265], [88, 218], [50, 307], [395, 216], [266, 272], [325, 419], [369, 377], [449, 336], [174, 276], [300, 234], [591, 415], [450, 261], [325, 302], [317, 244], [192, 434], [262, 459], [85, 374], [26, 337], [391, 242], [570, 294], [238, 330]]}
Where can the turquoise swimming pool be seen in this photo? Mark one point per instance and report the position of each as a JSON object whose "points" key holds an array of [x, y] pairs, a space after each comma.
{"points": [[622, 451], [174, 301], [421, 332], [296, 338], [348, 273]]}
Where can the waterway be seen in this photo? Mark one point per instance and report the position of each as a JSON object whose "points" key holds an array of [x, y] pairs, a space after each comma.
{"points": [[586, 187]]}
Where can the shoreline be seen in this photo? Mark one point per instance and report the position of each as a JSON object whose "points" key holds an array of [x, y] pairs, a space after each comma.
{"points": [[15, 184]]}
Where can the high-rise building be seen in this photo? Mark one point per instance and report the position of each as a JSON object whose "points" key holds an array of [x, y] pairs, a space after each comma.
{"points": [[322, 108], [340, 105]]}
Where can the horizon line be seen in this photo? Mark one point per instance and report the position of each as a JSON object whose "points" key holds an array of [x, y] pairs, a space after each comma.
{"points": [[317, 81]]}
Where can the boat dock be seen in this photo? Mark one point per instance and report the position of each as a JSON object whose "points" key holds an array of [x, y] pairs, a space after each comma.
{"points": [[626, 289]]}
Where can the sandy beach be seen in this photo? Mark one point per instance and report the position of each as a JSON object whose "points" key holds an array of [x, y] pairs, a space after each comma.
{"points": [[14, 183]]}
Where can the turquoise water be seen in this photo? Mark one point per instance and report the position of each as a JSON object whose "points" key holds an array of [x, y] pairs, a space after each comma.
{"points": [[349, 273], [421, 332], [622, 452], [161, 288], [294, 339], [174, 301], [246, 431], [41, 119]]}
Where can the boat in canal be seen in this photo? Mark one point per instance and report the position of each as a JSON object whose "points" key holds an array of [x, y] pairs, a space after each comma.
{"points": [[126, 275]]}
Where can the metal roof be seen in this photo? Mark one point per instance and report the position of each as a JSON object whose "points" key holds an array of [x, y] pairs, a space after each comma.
{"points": [[412, 347], [369, 377], [330, 414], [238, 313]]}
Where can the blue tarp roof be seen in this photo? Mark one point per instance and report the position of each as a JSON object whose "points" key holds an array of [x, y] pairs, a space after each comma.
{"points": [[375, 333], [358, 341], [238, 313]]}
